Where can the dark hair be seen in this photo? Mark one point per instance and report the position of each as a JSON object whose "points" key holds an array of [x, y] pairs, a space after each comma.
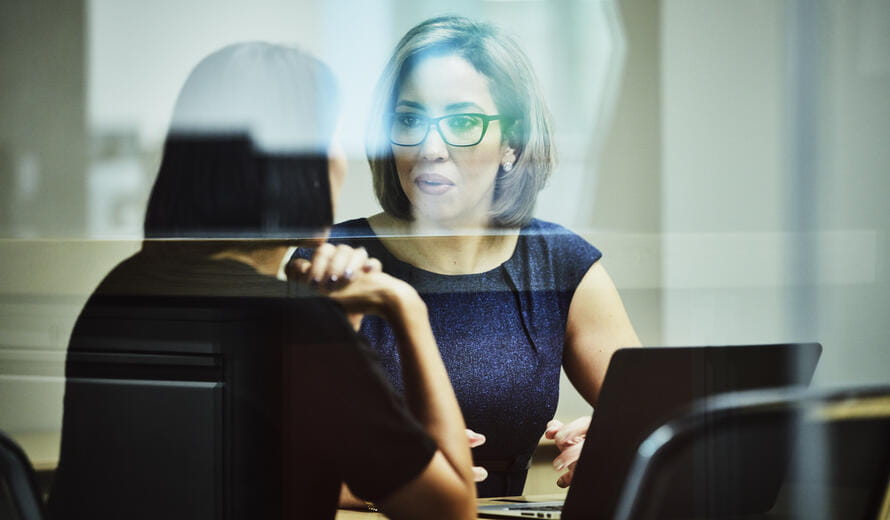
{"points": [[223, 187], [236, 162], [515, 91]]}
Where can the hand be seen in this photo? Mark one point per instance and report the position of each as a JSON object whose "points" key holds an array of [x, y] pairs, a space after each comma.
{"points": [[477, 439], [569, 440], [333, 267], [356, 282]]}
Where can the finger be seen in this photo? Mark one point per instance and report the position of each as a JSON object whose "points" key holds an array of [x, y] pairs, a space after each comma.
{"points": [[372, 265], [553, 428], [565, 480], [355, 262], [298, 268], [567, 457], [476, 439], [320, 260], [572, 433], [480, 473], [337, 265]]}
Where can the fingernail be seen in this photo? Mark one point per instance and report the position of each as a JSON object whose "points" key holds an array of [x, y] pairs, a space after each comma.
{"points": [[316, 282], [347, 274], [334, 278]]}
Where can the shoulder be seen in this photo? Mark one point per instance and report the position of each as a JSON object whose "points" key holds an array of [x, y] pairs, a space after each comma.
{"points": [[355, 233], [553, 256], [317, 319], [559, 241], [355, 228]]}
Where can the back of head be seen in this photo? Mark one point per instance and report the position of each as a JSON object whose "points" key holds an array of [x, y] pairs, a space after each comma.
{"points": [[246, 153]]}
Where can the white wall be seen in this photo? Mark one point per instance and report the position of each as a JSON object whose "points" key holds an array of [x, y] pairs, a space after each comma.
{"points": [[676, 134], [775, 178], [853, 312]]}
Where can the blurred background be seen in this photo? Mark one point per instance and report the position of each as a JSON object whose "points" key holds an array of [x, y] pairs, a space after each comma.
{"points": [[731, 158]]}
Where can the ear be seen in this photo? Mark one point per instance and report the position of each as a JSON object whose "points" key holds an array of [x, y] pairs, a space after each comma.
{"points": [[508, 159]]}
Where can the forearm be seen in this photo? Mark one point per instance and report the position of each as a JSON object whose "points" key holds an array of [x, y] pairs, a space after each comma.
{"points": [[428, 389]]}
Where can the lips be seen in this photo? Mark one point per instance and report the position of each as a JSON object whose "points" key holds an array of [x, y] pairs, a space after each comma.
{"points": [[433, 184]]}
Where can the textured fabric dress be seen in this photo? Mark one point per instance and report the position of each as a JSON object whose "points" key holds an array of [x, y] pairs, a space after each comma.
{"points": [[501, 335]]}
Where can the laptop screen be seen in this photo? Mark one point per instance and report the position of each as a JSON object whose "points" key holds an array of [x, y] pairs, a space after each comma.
{"points": [[645, 387]]}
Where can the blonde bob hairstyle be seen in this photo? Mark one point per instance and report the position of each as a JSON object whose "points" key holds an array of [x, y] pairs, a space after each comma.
{"points": [[516, 94]]}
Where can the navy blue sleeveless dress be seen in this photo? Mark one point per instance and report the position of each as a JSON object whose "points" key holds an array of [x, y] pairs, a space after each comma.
{"points": [[501, 336]]}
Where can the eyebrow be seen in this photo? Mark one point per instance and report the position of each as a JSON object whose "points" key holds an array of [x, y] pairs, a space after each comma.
{"points": [[463, 106], [410, 104], [454, 107]]}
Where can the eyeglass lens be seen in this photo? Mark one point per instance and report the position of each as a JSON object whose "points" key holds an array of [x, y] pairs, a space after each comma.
{"points": [[410, 129]]}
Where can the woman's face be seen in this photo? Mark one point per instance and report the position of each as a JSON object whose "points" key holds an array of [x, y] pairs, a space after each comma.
{"points": [[448, 185]]}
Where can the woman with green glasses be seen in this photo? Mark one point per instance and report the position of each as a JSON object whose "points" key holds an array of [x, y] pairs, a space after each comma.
{"points": [[459, 148]]}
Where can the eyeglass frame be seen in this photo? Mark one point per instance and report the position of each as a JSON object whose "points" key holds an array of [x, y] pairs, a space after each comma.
{"points": [[434, 121]]}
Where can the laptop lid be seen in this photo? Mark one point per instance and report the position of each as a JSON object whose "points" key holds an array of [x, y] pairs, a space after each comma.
{"points": [[646, 386]]}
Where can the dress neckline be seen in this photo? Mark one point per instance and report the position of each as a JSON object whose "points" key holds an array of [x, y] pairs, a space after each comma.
{"points": [[403, 265]]}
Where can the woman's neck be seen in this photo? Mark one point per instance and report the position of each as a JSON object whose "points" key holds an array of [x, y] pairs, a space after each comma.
{"points": [[445, 250]]}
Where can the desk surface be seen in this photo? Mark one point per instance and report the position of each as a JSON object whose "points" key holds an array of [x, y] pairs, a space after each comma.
{"points": [[347, 514], [42, 448]]}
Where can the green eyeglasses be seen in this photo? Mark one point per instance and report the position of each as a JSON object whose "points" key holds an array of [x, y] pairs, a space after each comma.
{"points": [[411, 129]]}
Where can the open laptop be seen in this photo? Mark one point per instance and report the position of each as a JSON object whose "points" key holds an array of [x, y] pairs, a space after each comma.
{"points": [[644, 387]]}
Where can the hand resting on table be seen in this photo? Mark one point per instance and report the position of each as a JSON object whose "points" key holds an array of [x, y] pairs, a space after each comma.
{"points": [[569, 440]]}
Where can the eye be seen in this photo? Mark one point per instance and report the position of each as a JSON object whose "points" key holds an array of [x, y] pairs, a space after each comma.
{"points": [[463, 122], [409, 120]]}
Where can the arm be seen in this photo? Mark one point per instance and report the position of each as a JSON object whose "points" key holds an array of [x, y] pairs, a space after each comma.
{"points": [[349, 500], [445, 488], [597, 326]]}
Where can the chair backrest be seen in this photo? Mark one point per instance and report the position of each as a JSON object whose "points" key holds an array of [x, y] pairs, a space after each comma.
{"points": [[171, 411], [834, 447], [19, 493]]}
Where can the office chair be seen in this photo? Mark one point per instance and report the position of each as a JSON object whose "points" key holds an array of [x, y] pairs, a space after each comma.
{"points": [[172, 410], [818, 454], [19, 494]]}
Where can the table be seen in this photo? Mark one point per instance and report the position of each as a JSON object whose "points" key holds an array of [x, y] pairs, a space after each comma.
{"points": [[348, 514]]}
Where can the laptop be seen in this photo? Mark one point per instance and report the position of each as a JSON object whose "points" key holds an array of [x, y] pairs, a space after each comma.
{"points": [[645, 387]]}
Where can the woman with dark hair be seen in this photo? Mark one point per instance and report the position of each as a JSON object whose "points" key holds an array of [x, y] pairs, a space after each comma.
{"points": [[459, 147], [249, 164]]}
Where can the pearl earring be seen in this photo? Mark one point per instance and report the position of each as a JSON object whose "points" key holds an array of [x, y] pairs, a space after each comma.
{"points": [[508, 166]]}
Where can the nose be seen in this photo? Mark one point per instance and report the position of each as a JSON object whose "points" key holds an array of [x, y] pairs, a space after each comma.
{"points": [[433, 148]]}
